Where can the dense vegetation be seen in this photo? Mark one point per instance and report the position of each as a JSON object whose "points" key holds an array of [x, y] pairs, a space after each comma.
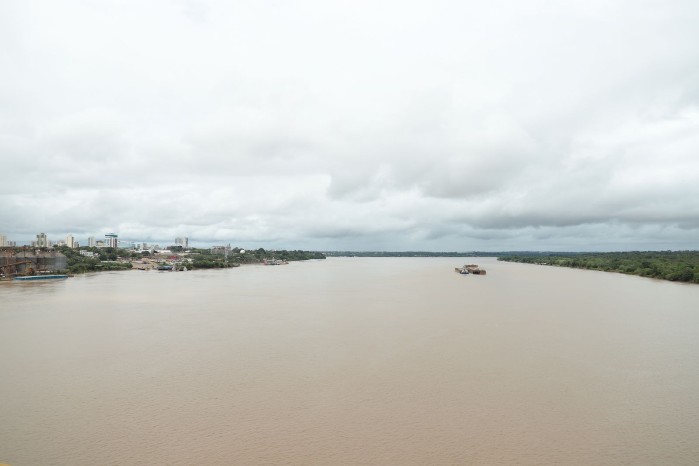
{"points": [[105, 260], [109, 258], [206, 260], [236, 255], [680, 266]]}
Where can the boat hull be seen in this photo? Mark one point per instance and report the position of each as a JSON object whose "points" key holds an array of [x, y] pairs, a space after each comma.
{"points": [[41, 277]]}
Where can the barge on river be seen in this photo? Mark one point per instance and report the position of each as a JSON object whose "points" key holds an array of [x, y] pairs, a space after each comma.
{"points": [[470, 269]]}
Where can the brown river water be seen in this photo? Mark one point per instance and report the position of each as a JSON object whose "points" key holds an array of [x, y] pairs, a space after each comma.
{"points": [[395, 361]]}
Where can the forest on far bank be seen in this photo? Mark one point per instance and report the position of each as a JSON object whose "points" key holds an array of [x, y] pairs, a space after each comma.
{"points": [[676, 266]]}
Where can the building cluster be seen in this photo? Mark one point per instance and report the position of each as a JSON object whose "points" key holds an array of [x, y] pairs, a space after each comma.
{"points": [[41, 241], [4, 243], [111, 240]]}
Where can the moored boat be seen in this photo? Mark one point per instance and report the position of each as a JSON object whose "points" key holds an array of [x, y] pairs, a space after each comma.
{"points": [[41, 277], [274, 262]]}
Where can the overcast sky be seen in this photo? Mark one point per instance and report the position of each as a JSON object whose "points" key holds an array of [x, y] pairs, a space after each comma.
{"points": [[315, 124]]}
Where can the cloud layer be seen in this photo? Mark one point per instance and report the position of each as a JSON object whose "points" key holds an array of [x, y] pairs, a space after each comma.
{"points": [[354, 125]]}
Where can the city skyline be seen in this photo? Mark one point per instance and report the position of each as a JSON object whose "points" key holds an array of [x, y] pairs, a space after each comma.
{"points": [[48, 240], [43, 240], [400, 126]]}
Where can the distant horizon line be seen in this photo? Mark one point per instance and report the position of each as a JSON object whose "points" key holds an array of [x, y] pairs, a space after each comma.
{"points": [[413, 252], [208, 243]]}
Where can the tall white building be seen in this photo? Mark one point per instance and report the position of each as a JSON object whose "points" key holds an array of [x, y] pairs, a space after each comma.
{"points": [[91, 241], [3, 241], [111, 240], [184, 242], [42, 241], [70, 241]]}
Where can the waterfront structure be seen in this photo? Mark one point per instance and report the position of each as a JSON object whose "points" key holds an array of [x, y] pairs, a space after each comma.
{"points": [[111, 240], [30, 262]]}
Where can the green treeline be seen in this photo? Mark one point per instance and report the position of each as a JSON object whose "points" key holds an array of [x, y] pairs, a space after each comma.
{"points": [[117, 259], [677, 266], [210, 261], [204, 258], [105, 259]]}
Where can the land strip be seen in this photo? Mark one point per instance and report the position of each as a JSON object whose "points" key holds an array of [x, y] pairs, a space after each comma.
{"points": [[679, 266]]}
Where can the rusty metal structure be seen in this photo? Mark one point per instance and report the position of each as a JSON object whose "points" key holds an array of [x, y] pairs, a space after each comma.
{"points": [[31, 262]]}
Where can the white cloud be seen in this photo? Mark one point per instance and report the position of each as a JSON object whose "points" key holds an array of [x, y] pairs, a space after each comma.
{"points": [[373, 125]]}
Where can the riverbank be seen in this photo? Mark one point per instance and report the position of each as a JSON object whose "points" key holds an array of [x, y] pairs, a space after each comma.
{"points": [[676, 266], [110, 259]]}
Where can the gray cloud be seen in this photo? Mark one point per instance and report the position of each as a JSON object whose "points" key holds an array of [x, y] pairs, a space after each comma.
{"points": [[389, 125]]}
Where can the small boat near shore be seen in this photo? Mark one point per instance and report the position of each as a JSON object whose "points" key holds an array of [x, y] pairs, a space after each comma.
{"points": [[274, 262], [41, 277]]}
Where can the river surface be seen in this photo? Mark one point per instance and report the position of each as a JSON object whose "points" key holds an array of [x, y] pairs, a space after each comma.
{"points": [[378, 361]]}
